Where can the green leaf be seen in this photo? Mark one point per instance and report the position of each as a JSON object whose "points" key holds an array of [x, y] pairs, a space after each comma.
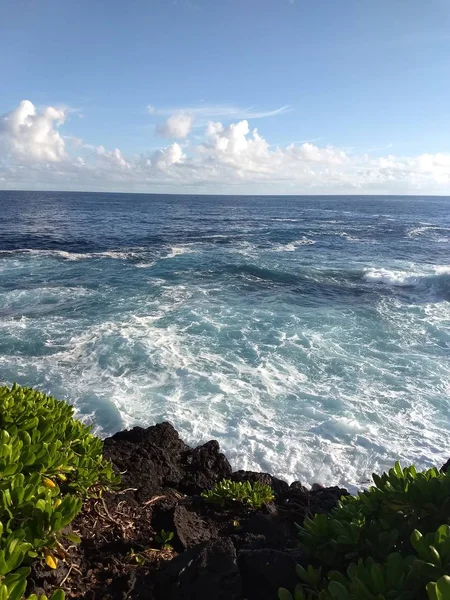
{"points": [[337, 591], [433, 592], [75, 539], [284, 594], [443, 585], [17, 589]]}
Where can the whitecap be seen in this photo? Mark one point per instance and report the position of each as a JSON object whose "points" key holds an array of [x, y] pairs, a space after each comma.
{"points": [[114, 254], [417, 231], [390, 277], [292, 246], [177, 251]]}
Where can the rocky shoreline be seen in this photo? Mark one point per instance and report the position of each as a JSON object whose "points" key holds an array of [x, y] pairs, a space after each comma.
{"points": [[225, 554]]}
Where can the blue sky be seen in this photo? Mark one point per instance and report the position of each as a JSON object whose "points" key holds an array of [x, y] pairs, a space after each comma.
{"points": [[369, 78]]}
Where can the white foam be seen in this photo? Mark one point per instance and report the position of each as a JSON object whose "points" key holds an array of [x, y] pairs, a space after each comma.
{"points": [[417, 231], [391, 277], [285, 220], [145, 265], [348, 236], [442, 269], [246, 249], [305, 395], [292, 246], [114, 254], [177, 251]]}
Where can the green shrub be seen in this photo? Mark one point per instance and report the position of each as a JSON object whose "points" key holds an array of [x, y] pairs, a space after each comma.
{"points": [[243, 492], [40, 435], [41, 448], [13, 587], [391, 541]]}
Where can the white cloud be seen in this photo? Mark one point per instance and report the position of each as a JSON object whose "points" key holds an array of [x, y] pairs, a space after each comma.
{"points": [[113, 158], [215, 111], [176, 126], [227, 158], [169, 156], [26, 132]]}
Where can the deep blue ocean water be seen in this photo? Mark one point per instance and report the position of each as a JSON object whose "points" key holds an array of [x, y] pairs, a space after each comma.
{"points": [[309, 335]]}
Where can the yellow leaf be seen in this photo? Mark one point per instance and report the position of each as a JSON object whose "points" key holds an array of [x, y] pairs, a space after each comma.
{"points": [[48, 482], [51, 560]]}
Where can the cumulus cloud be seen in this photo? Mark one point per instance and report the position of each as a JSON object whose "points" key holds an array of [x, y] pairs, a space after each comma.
{"points": [[113, 157], [228, 158], [28, 133], [176, 126], [169, 156]]}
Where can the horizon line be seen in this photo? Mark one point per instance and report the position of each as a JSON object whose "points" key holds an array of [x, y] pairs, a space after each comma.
{"points": [[302, 195]]}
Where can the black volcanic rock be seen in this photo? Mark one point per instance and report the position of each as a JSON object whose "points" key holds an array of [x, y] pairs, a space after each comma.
{"points": [[203, 467], [155, 458], [188, 527], [218, 553], [264, 571], [207, 571], [445, 467]]}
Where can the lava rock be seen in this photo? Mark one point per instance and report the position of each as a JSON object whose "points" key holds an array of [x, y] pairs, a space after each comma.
{"points": [[445, 467], [205, 571], [248, 541], [155, 458], [163, 435], [277, 532], [325, 499], [203, 467], [189, 529], [298, 485], [264, 571]]}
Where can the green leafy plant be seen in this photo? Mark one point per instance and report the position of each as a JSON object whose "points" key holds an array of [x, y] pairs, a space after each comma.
{"points": [[137, 557], [39, 434], [243, 492], [48, 463], [164, 538], [56, 595], [391, 541]]}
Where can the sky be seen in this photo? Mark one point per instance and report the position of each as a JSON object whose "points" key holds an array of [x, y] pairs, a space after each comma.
{"points": [[235, 97]]}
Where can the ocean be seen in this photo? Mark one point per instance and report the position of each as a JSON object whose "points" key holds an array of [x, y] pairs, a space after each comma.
{"points": [[309, 335]]}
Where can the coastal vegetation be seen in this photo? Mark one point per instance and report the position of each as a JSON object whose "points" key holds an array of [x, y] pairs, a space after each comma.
{"points": [[227, 492], [180, 513], [49, 463], [391, 541]]}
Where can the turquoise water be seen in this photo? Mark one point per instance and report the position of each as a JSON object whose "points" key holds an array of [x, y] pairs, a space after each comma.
{"points": [[309, 335]]}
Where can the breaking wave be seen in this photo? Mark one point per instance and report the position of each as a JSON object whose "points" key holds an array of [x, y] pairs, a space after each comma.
{"points": [[304, 355]]}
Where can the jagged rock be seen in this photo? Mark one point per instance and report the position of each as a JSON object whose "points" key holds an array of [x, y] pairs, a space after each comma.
{"points": [[278, 485], [203, 467], [264, 571], [163, 435], [156, 458], [207, 571], [298, 485], [323, 500], [445, 467], [298, 502], [277, 532], [189, 528], [146, 458], [248, 541]]}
